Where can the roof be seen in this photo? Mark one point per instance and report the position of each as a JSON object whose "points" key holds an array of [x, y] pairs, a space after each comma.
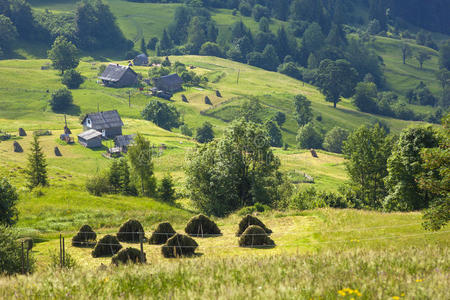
{"points": [[141, 56], [90, 134], [124, 140], [104, 119], [114, 72], [170, 79]]}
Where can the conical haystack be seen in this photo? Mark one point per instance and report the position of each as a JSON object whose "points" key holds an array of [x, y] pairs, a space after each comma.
{"points": [[86, 237], [163, 232], [106, 246], [127, 256], [251, 220], [131, 232], [255, 237], [179, 245], [202, 226]]}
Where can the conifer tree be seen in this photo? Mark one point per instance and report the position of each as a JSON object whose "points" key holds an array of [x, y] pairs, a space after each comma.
{"points": [[37, 166], [165, 190], [124, 176]]}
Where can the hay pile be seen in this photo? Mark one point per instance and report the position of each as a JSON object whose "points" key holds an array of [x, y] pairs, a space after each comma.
{"points": [[130, 232], [22, 132], [86, 237], [218, 94], [127, 256], [184, 99], [163, 232], [57, 152], [17, 147], [106, 246], [201, 226], [179, 245], [255, 237], [251, 220], [207, 100], [313, 153]]}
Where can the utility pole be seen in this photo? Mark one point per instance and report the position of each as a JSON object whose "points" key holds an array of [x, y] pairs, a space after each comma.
{"points": [[129, 98], [239, 72]]}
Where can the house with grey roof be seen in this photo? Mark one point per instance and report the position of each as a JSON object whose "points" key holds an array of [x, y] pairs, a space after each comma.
{"points": [[123, 141], [170, 83], [118, 76], [140, 60], [90, 139], [108, 123]]}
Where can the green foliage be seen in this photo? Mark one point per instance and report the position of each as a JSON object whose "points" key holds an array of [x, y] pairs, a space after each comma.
{"points": [[303, 111], [164, 115], [37, 166], [365, 98], [61, 100], [280, 118], [275, 136], [72, 79], [98, 185], [313, 38], [8, 32], [152, 43], [310, 198], [166, 190], [421, 57], [421, 95], [11, 252], [444, 55], [290, 69], [205, 133], [334, 139], [140, 155], [69, 261], [309, 137], [8, 201], [211, 49], [63, 54], [185, 130]]}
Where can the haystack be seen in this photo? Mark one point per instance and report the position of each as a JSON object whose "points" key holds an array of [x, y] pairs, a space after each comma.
{"points": [[86, 237], [202, 226], [179, 245], [17, 147], [255, 237], [251, 220], [106, 246], [128, 256], [131, 232], [218, 94], [22, 132], [313, 153], [57, 152], [184, 99], [207, 100], [163, 232]]}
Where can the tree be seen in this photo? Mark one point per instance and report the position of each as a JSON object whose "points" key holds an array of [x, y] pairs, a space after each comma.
{"points": [[166, 191], [334, 139], [421, 57], [303, 111], [444, 55], [152, 43], [61, 100], [421, 37], [205, 134], [264, 24], [211, 49], [11, 252], [365, 98], [196, 34], [280, 118], [72, 79], [404, 165], [163, 115], [185, 130], [8, 201], [435, 179], [313, 38], [235, 171], [37, 166], [124, 178], [275, 136], [165, 43], [308, 137], [114, 176], [140, 155], [143, 46], [336, 79], [63, 54], [8, 32], [406, 51], [443, 75], [367, 150], [270, 58], [250, 110]]}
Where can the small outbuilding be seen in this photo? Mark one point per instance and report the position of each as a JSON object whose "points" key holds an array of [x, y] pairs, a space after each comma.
{"points": [[123, 141], [140, 60], [171, 83], [118, 76], [108, 123], [90, 139]]}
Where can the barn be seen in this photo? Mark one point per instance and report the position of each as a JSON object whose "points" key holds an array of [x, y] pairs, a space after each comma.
{"points": [[140, 60], [118, 76], [123, 141], [90, 139], [108, 123], [171, 83]]}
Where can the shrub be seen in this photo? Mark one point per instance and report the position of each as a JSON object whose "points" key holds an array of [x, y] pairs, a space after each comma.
{"points": [[201, 225], [309, 137], [106, 246], [205, 134], [162, 233], [249, 220], [11, 252], [166, 192], [131, 232], [86, 237], [98, 185], [334, 139], [128, 255], [72, 79], [55, 262], [185, 130], [179, 245], [255, 237], [61, 99], [163, 115], [8, 200]]}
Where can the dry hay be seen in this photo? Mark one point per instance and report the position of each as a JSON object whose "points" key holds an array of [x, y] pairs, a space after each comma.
{"points": [[106, 246], [201, 226], [86, 237], [255, 237], [251, 220], [218, 94], [17, 147], [179, 245], [57, 152], [313, 153], [207, 100], [184, 99], [128, 256], [22, 132], [131, 232], [163, 232]]}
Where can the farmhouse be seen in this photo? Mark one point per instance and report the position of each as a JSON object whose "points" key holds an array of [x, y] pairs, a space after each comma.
{"points": [[108, 123], [116, 75], [123, 141], [90, 139], [171, 83], [140, 60]]}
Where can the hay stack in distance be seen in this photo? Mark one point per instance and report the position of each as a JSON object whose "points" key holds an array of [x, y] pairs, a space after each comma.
{"points": [[163, 232], [179, 245], [184, 99], [128, 256], [251, 220], [130, 232], [86, 237], [57, 152], [17, 147], [255, 237], [207, 100], [202, 226], [106, 246], [22, 132]]}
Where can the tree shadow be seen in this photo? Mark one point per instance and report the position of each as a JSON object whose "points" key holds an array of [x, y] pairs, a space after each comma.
{"points": [[73, 110]]}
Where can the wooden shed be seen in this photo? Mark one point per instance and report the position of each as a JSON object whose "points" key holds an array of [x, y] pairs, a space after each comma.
{"points": [[116, 75], [171, 83], [90, 139]]}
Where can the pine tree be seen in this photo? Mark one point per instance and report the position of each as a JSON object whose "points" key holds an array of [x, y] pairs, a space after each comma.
{"points": [[37, 166], [124, 176], [143, 46], [165, 190], [114, 176]]}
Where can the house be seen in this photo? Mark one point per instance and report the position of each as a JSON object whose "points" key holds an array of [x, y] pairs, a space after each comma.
{"points": [[171, 83], [90, 139], [140, 60], [108, 123], [118, 76], [123, 141]]}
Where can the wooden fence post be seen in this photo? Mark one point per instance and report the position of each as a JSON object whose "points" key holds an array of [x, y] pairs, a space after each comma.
{"points": [[141, 234], [60, 251], [64, 252], [23, 260]]}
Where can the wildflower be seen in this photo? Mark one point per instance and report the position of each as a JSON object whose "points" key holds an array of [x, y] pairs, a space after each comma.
{"points": [[342, 293], [395, 297], [419, 280], [403, 295]]}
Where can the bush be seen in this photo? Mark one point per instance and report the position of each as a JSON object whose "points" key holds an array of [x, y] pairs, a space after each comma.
{"points": [[308, 137], [185, 130], [201, 225], [106, 246], [129, 55], [131, 232], [166, 191], [72, 79], [205, 134], [98, 185], [86, 237], [162, 233], [334, 139], [179, 245], [11, 252], [8, 200], [163, 115], [55, 262], [127, 256], [249, 220], [61, 99], [211, 49], [255, 237]]}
